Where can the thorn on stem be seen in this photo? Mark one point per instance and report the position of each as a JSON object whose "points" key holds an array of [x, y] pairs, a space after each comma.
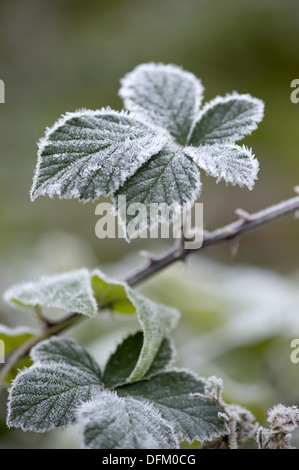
{"points": [[243, 215], [148, 255], [235, 243]]}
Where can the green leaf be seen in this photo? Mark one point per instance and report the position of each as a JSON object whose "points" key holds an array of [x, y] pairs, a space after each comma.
{"points": [[110, 293], [167, 94], [172, 393], [13, 338], [89, 153], [168, 178], [48, 393], [156, 321], [227, 119], [122, 362], [232, 163], [69, 291], [110, 422], [65, 351]]}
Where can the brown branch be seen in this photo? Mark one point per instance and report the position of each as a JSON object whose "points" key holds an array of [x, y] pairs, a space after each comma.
{"points": [[245, 223]]}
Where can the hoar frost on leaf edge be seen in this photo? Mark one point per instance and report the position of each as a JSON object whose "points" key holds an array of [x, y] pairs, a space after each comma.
{"points": [[159, 136], [12, 295], [132, 81], [221, 100], [86, 413], [217, 160]]}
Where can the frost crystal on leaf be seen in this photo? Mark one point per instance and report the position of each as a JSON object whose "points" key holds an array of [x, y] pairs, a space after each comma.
{"points": [[156, 321], [65, 351], [283, 421], [69, 291], [167, 94], [173, 393], [227, 119], [89, 153], [231, 163], [169, 177], [47, 394], [111, 422]]}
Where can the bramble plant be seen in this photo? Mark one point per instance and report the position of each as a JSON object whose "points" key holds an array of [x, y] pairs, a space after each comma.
{"points": [[150, 153]]}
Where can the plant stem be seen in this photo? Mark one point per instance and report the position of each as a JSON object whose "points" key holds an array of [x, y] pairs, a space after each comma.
{"points": [[232, 231]]}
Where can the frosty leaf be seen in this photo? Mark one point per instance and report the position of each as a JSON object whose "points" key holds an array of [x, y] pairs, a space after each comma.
{"points": [[69, 291], [122, 362], [232, 163], [156, 321], [227, 119], [110, 422], [166, 94], [89, 153], [65, 351], [110, 293], [192, 417], [13, 338], [47, 394], [170, 178]]}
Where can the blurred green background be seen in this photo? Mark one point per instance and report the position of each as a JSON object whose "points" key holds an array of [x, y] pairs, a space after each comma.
{"points": [[238, 314]]}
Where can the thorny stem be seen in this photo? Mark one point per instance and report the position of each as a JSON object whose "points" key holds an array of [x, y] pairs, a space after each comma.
{"points": [[231, 232]]}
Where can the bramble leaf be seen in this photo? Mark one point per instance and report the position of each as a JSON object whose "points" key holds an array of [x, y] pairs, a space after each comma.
{"points": [[166, 94], [70, 291], [232, 163], [227, 119], [48, 393], [89, 153], [156, 321], [169, 177], [65, 351], [121, 363], [111, 422], [172, 393]]}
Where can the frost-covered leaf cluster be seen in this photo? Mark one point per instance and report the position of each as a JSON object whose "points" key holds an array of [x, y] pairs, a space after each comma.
{"points": [[85, 292], [65, 385], [283, 421], [152, 152]]}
